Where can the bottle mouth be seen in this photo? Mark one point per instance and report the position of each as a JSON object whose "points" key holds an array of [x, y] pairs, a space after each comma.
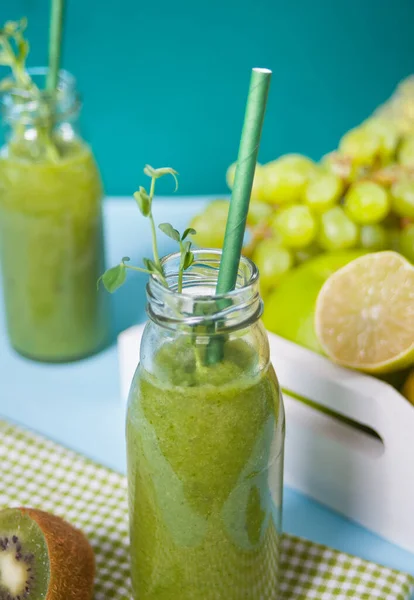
{"points": [[198, 304], [23, 104]]}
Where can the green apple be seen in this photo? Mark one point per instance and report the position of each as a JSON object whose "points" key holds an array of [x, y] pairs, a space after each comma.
{"points": [[289, 309]]}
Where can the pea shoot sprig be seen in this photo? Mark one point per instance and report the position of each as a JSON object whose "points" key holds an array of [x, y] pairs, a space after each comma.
{"points": [[113, 278], [14, 49]]}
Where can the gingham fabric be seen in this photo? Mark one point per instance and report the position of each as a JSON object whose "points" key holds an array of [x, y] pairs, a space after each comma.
{"points": [[39, 473]]}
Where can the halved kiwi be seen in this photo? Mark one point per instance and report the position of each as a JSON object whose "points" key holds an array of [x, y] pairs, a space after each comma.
{"points": [[43, 558]]}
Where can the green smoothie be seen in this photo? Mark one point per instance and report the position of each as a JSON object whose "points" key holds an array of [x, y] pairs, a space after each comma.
{"points": [[51, 249], [205, 452]]}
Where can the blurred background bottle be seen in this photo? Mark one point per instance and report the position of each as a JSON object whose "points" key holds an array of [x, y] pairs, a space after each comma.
{"points": [[51, 243]]}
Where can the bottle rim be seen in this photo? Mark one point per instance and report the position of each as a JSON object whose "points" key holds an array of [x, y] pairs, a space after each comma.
{"points": [[22, 105], [198, 304]]}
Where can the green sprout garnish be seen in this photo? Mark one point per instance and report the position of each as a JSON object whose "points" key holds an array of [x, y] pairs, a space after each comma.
{"points": [[113, 278], [14, 49]]}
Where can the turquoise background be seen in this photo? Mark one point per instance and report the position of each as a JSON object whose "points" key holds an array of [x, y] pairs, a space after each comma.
{"points": [[165, 82]]}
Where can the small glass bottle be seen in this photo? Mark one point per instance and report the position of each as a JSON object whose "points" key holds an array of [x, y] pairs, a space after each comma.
{"points": [[51, 242], [205, 439]]}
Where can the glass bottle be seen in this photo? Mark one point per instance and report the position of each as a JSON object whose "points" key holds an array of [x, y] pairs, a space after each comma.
{"points": [[51, 243], [205, 439]]}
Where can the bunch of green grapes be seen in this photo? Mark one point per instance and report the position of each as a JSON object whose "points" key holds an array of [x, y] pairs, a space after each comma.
{"points": [[360, 196], [400, 107]]}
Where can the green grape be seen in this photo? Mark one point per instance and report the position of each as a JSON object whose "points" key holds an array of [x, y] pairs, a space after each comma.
{"points": [[322, 192], [258, 184], [406, 88], [394, 239], [258, 212], [362, 145], [217, 210], [299, 161], [210, 231], [296, 225], [373, 237], [402, 193], [230, 173], [406, 152], [387, 132], [211, 224], [284, 179], [307, 253], [340, 165], [337, 231], [258, 181], [391, 221], [407, 242], [273, 261], [367, 202]]}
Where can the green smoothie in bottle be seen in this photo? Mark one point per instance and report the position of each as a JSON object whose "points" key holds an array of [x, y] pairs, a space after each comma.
{"points": [[51, 245]]}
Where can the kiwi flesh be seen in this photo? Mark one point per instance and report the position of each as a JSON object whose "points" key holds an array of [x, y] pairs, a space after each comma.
{"points": [[43, 558]]}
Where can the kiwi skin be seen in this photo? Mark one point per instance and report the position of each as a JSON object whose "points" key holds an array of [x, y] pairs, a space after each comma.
{"points": [[72, 561]]}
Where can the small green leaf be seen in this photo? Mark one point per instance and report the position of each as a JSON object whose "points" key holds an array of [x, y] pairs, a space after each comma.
{"points": [[5, 60], [187, 257], [169, 230], [151, 266], [150, 171], [10, 27], [7, 84], [14, 28], [185, 248], [165, 171], [157, 173], [188, 260], [143, 201], [23, 48], [114, 278], [187, 232]]}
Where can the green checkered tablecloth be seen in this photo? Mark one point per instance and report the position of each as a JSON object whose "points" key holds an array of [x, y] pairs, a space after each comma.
{"points": [[39, 473]]}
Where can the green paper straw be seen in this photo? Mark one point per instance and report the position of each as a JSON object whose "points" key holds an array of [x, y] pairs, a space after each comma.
{"points": [[242, 188], [240, 198], [55, 43]]}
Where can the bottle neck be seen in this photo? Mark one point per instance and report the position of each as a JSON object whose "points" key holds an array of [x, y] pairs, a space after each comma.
{"points": [[198, 309], [35, 106], [42, 125]]}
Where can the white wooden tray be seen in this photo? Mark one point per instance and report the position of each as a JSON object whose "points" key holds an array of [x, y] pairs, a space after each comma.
{"points": [[367, 475]]}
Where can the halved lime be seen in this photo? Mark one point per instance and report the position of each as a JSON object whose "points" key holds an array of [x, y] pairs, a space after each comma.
{"points": [[364, 316]]}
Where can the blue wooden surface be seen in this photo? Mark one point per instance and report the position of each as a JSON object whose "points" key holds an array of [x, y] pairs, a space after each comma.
{"points": [[79, 404]]}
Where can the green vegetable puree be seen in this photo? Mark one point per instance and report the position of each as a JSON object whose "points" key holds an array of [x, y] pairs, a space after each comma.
{"points": [[51, 251], [204, 471]]}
